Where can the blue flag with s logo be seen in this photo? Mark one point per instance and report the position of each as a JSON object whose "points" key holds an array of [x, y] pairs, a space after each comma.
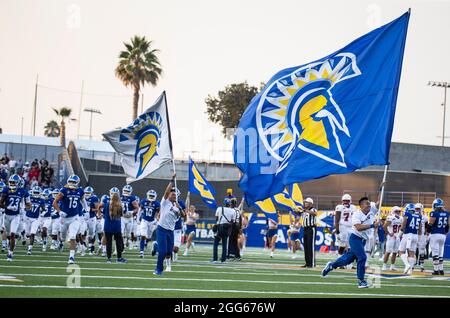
{"points": [[330, 116], [200, 186]]}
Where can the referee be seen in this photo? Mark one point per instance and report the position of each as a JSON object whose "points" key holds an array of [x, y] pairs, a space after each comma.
{"points": [[309, 233]]}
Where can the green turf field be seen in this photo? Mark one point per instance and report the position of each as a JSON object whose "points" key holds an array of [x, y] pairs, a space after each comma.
{"points": [[47, 275]]}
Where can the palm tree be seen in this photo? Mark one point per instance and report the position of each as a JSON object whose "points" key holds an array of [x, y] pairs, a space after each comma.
{"points": [[51, 129], [138, 65], [63, 113]]}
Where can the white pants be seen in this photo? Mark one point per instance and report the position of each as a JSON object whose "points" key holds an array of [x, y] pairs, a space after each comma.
{"points": [[127, 226], [83, 225], [56, 226], [91, 225], [31, 225], [422, 244], [1, 221], [177, 238], [69, 228], [344, 235], [146, 228], [100, 223], [437, 243], [370, 243], [11, 223], [46, 222], [392, 244], [408, 242]]}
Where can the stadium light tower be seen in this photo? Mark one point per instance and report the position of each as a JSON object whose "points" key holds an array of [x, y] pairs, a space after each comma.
{"points": [[445, 85], [92, 111]]}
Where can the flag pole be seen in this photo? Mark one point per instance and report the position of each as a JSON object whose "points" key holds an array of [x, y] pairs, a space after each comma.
{"points": [[382, 187], [170, 144]]}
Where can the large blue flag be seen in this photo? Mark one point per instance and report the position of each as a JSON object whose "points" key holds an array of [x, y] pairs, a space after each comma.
{"points": [[200, 186], [331, 116]]}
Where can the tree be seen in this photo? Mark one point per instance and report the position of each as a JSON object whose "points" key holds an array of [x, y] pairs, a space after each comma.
{"points": [[228, 107], [51, 129], [63, 113], [138, 64]]}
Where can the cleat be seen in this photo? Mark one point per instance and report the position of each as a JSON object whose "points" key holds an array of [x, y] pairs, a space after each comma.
{"points": [[153, 252], [71, 260], [91, 253], [384, 268], [157, 273], [294, 257], [441, 273], [185, 253], [122, 260], [328, 268], [363, 284], [435, 273], [406, 270], [108, 261], [9, 257], [393, 268], [168, 268], [213, 262]]}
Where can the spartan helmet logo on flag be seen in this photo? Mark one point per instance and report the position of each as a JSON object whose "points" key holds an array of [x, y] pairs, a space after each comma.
{"points": [[298, 110], [146, 129]]}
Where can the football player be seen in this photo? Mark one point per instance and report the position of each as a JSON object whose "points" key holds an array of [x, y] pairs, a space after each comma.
{"points": [[45, 219], [438, 226], [177, 232], [392, 227], [424, 237], [343, 222], [72, 201], [131, 205], [56, 224], [11, 199], [409, 232], [92, 202], [149, 209], [2, 211], [32, 216]]}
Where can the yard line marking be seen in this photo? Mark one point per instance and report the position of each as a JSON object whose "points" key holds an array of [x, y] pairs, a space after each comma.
{"points": [[223, 280], [221, 291]]}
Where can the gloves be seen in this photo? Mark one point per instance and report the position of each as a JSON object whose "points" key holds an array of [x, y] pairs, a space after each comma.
{"points": [[63, 214]]}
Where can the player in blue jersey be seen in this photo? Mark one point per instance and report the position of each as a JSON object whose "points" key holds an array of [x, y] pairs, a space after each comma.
{"points": [[72, 201], [92, 202], [149, 209], [32, 216], [2, 211], [131, 205], [178, 231], [11, 198], [438, 226], [100, 225], [409, 233], [56, 223], [45, 219]]}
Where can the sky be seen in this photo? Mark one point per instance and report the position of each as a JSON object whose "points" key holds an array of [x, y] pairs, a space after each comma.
{"points": [[204, 46]]}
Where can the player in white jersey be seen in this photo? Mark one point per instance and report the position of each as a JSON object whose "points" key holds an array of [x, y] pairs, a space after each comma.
{"points": [[343, 222], [423, 238], [392, 228], [2, 231], [370, 242]]}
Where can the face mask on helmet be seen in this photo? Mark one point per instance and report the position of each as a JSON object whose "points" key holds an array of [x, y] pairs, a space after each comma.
{"points": [[36, 193], [127, 190], [151, 195], [73, 181]]}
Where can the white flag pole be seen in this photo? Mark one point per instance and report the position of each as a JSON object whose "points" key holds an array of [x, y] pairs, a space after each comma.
{"points": [[170, 143], [382, 187]]}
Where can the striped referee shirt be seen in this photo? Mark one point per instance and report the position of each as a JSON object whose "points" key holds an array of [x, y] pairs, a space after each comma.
{"points": [[309, 219]]}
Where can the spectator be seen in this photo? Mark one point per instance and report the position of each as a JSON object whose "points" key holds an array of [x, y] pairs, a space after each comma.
{"points": [[12, 166], [33, 183], [5, 158], [26, 170], [19, 167], [34, 173], [48, 176]]}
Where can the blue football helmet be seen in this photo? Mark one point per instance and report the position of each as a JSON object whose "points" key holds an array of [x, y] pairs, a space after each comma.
{"points": [[36, 192], [113, 191], [46, 194], [55, 192], [14, 182], [410, 208], [88, 191], [151, 195], [73, 181], [438, 203], [127, 190]]}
